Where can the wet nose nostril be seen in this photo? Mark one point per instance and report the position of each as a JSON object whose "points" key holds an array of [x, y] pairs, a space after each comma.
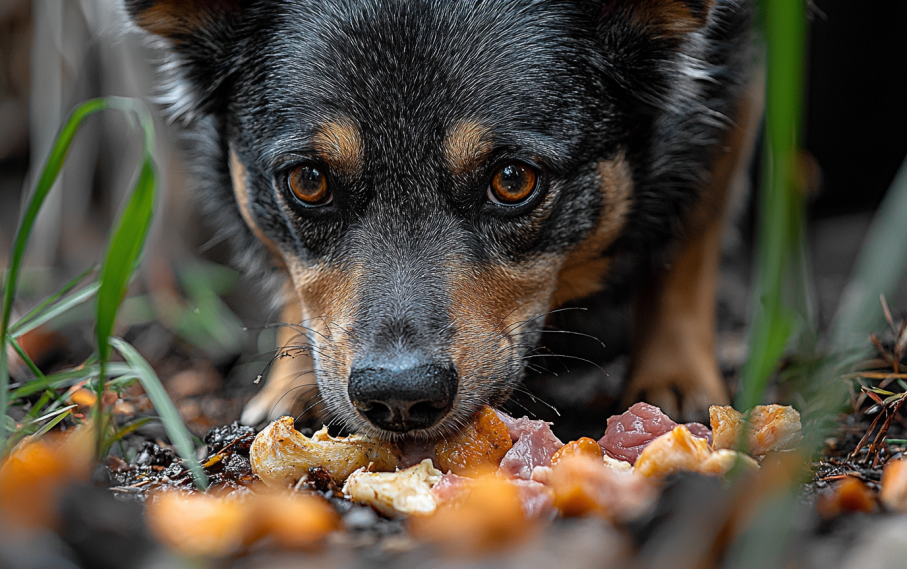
{"points": [[403, 398]]}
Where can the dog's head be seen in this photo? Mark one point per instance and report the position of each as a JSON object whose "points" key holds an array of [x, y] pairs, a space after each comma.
{"points": [[436, 175]]}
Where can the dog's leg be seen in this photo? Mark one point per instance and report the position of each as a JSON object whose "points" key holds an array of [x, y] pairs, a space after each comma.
{"points": [[291, 376], [674, 321], [674, 333]]}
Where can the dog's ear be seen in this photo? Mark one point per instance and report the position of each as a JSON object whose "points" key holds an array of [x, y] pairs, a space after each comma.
{"points": [[652, 47], [200, 38], [667, 17], [180, 20]]}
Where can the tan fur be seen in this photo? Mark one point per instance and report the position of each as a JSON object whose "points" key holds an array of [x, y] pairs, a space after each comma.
{"points": [[670, 17], [176, 18], [489, 304], [466, 145], [584, 270], [240, 179], [340, 145], [674, 326]]}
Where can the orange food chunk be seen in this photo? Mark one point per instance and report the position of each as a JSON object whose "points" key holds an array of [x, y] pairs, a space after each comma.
{"points": [[202, 524], [199, 524], [894, 486], [770, 428], [848, 496], [487, 516], [583, 485], [580, 447], [477, 449], [294, 521], [35, 472], [679, 451]]}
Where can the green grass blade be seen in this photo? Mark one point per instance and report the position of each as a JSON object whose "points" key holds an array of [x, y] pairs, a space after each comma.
{"points": [[878, 270], [45, 182], [67, 379], [170, 416], [39, 310], [122, 254], [23, 326], [63, 413], [781, 208]]}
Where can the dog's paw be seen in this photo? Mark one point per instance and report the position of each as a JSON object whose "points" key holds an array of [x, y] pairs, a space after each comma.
{"points": [[683, 397]]}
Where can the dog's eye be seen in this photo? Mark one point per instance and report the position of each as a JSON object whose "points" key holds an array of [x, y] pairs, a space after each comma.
{"points": [[512, 184], [309, 185]]}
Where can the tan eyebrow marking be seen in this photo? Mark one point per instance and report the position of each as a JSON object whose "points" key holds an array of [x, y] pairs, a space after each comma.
{"points": [[340, 145], [465, 145], [240, 177]]}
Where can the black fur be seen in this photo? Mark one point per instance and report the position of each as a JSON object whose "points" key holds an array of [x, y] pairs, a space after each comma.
{"points": [[562, 84]]}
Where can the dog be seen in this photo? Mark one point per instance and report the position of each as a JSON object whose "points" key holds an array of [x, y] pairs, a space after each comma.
{"points": [[420, 182]]}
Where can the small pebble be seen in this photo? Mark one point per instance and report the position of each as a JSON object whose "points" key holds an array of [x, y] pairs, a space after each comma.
{"points": [[360, 518]]}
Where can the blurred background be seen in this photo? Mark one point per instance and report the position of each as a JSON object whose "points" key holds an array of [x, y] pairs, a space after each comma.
{"points": [[197, 321]]}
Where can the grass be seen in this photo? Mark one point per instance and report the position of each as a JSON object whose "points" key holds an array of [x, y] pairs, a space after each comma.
{"points": [[108, 285], [782, 291]]}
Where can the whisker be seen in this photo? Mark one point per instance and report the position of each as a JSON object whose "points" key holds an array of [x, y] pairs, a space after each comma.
{"points": [[287, 392], [569, 357], [550, 312]]}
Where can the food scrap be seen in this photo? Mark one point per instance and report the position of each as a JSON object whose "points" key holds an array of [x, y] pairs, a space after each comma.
{"points": [[894, 486], [679, 451], [205, 524], [585, 485], [281, 455], [476, 449], [488, 514], [405, 491], [769, 428], [628, 434]]}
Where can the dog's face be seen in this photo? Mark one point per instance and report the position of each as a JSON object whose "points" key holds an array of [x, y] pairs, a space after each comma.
{"points": [[434, 176]]}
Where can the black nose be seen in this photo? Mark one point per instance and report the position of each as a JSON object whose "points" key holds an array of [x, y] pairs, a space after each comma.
{"points": [[403, 398]]}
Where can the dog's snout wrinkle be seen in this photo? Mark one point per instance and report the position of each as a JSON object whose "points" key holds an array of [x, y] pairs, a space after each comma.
{"points": [[403, 398]]}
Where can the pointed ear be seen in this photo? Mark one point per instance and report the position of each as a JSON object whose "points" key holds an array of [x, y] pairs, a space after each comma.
{"points": [[668, 17], [179, 20], [654, 47]]}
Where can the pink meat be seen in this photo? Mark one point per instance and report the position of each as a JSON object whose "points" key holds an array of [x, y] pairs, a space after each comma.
{"points": [[700, 430], [515, 426], [537, 499], [629, 433], [414, 452], [449, 487], [535, 447]]}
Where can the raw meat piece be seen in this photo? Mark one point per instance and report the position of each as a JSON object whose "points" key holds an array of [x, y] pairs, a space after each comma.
{"points": [[700, 430], [628, 434], [537, 499], [516, 426], [679, 451], [534, 447], [449, 488], [771, 428]]}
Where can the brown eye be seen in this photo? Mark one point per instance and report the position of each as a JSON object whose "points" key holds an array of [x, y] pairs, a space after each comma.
{"points": [[512, 184], [309, 185]]}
